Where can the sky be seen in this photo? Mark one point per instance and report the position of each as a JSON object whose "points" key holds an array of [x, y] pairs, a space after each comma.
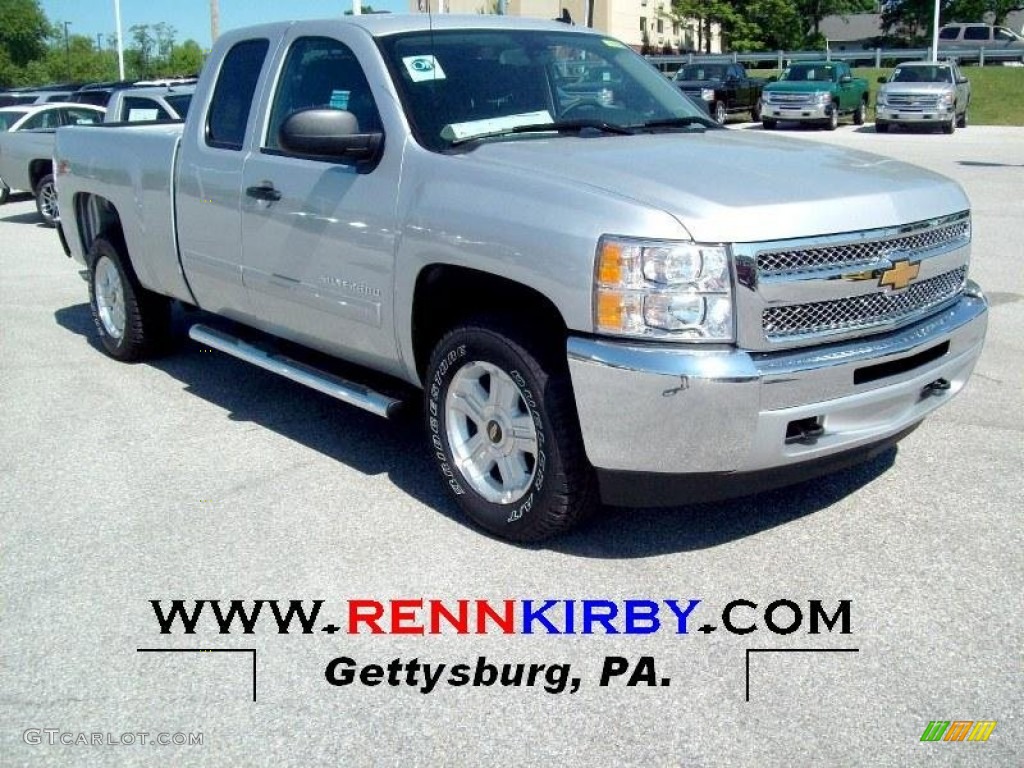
{"points": [[191, 18]]}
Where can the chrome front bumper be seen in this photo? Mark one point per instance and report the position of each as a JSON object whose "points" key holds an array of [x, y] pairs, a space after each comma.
{"points": [[894, 115], [797, 112], [671, 411]]}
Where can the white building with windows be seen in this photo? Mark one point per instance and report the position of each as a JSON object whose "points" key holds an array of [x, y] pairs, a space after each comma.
{"points": [[626, 20]]}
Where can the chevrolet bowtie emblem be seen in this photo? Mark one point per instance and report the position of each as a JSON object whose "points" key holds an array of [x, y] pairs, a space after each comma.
{"points": [[902, 274]]}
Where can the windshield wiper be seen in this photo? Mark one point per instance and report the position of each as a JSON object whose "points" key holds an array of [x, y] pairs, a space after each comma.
{"points": [[564, 126], [680, 122]]}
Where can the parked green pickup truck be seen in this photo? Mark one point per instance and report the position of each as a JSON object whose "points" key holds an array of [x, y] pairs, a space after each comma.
{"points": [[815, 91]]}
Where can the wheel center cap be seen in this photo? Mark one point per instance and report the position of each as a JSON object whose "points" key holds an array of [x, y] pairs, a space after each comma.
{"points": [[494, 432]]}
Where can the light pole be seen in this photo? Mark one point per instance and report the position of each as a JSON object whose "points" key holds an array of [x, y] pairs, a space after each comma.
{"points": [[214, 21], [120, 40], [67, 50]]}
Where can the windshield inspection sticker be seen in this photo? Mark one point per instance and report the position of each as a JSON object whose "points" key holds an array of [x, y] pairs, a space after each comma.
{"points": [[494, 125], [339, 99], [422, 68]]}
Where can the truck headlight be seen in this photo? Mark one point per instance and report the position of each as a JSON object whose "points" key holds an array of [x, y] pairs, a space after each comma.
{"points": [[663, 290], [823, 97], [880, 101], [946, 99], [708, 94]]}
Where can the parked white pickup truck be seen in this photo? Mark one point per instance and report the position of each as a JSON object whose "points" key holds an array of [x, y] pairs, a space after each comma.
{"points": [[599, 293]]}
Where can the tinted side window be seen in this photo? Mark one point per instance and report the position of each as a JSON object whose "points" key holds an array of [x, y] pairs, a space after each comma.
{"points": [[233, 95], [322, 73], [77, 116], [43, 120], [949, 34], [976, 33]]}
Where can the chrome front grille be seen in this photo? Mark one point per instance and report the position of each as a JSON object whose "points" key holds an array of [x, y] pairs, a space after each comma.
{"points": [[791, 99], [857, 313], [912, 102], [858, 254]]}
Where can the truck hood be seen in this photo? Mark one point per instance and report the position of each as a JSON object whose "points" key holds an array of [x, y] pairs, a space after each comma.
{"points": [[736, 186]]}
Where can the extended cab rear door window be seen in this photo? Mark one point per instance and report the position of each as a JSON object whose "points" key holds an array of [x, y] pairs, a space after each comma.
{"points": [[232, 101], [321, 73]]}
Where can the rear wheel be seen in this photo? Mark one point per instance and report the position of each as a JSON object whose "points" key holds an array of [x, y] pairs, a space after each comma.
{"points": [[503, 430], [46, 200], [133, 323], [755, 111]]}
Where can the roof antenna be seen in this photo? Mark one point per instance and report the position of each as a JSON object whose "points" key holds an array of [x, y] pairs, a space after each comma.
{"points": [[566, 17]]}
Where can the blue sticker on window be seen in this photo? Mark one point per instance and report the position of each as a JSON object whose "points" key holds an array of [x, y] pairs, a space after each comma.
{"points": [[339, 99]]}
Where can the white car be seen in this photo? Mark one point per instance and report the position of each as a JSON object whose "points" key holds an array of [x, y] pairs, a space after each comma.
{"points": [[25, 159]]}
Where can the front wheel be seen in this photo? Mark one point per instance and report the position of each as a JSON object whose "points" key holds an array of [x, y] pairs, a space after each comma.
{"points": [[46, 200], [949, 127], [962, 120], [719, 112], [504, 433], [833, 119], [768, 125], [755, 111], [881, 127], [858, 115], [5, 192]]}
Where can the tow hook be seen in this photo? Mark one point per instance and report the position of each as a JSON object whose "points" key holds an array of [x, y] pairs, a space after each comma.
{"points": [[804, 431], [937, 387]]}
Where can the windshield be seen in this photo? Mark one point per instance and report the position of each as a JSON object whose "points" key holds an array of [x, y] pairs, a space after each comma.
{"points": [[461, 84], [701, 72], [809, 72], [7, 119], [181, 103], [931, 74]]}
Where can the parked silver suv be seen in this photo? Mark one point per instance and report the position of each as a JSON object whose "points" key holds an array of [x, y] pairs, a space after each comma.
{"points": [[923, 93]]}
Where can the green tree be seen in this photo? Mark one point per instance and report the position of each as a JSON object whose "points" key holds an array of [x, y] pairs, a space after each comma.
{"points": [[185, 59], [23, 32]]}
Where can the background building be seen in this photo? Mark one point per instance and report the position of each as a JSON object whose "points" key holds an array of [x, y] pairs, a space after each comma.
{"points": [[627, 20]]}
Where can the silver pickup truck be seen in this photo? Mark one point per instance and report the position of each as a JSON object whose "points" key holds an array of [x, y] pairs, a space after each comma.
{"points": [[596, 293]]}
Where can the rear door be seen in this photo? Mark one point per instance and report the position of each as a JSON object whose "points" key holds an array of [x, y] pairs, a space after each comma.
{"points": [[319, 236]]}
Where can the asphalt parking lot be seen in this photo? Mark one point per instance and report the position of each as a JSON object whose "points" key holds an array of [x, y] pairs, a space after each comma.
{"points": [[198, 477]]}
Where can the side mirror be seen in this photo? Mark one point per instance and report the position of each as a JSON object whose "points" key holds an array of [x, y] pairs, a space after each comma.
{"points": [[845, 79], [328, 134], [881, 80]]}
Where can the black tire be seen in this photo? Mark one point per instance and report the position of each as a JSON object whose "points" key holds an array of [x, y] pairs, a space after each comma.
{"points": [[719, 113], [755, 111], [5, 192], [860, 113], [881, 127], [555, 490], [46, 200], [962, 121], [833, 119], [132, 323], [769, 125], [949, 127]]}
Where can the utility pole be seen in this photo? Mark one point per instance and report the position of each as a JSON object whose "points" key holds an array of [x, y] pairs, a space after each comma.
{"points": [[120, 40], [67, 49], [214, 20]]}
